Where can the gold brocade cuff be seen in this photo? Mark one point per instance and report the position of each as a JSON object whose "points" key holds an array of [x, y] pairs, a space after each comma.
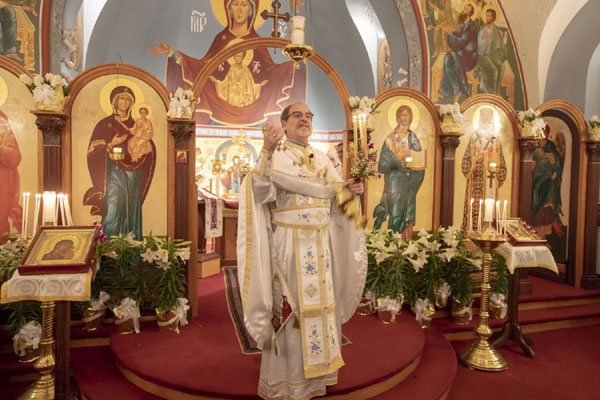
{"points": [[264, 162]]}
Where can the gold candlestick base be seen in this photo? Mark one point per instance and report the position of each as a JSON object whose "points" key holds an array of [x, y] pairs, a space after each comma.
{"points": [[481, 355]]}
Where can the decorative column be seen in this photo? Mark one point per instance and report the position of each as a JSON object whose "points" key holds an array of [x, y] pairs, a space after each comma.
{"points": [[527, 146], [450, 142], [590, 279], [51, 125], [186, 196]]}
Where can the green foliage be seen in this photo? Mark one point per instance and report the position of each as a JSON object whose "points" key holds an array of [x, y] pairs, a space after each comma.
{"points": [[499, 284], [21, 313], [11, 254]]}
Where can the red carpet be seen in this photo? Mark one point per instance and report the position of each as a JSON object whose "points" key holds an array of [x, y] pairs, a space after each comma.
{"points": [[206, 357], [567, 366]]}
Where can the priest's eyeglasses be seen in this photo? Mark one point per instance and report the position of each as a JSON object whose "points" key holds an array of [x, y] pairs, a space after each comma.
{"points": [[299, 114]]}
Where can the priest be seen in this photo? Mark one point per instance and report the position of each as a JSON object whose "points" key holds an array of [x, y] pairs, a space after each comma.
{"points": [[302, 263]]}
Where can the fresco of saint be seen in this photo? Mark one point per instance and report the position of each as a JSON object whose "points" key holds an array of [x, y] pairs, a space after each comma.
{"points": [[10, 157], [483, 149], [546, 180], [119, 183], [401, 182], [281, 84]]}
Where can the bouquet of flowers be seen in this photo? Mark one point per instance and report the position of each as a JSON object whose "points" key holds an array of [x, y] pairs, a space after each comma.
{"points": [[365, 105], [49, 91], [594, 128], [531, 123], [451, 117], [181, 104], [364, 164]]}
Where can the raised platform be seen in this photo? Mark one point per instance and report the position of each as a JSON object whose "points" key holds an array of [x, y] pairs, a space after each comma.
{"points": [[205, 359]]}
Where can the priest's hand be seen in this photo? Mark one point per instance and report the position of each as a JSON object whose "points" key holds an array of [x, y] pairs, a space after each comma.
{"points": [[357, 186], [272, 135]]}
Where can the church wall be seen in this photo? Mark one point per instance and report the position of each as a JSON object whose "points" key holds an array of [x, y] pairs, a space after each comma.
{"points": [[567, 74]]}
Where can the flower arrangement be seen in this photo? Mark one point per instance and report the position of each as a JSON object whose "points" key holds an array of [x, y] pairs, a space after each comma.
{"points": [[420, 272], [531, 123], [594, 123], [364, 164], [11, 254], [181, 104], [49, 91], [451, 117], [364, 105]]}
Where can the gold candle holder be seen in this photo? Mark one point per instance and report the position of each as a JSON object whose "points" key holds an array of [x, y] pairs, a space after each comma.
{"points": [[43, 387], [481, 355], [117, 154]]}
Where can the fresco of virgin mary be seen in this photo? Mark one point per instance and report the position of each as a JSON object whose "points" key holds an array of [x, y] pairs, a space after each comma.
{"points": [[282, 84]]}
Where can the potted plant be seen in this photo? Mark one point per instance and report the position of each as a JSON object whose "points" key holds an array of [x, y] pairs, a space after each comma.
{"points": [[92, 311], [49, 91], [166, 258], [460, 262], [498, 287], [123, 278], [24, 325]]}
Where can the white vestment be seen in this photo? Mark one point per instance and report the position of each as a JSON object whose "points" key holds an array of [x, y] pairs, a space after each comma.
{"points": [[301, 266]]}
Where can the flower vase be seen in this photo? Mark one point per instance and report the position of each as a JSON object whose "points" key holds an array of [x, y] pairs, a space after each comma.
{"points": [[56, 105], [92, 319], [366, 306], [449, 124], [167, 321], [387, 316], [461, 314], [427, 317], [26, 354], [595, 134], [526, 130], [124, 325], [497, 309]]}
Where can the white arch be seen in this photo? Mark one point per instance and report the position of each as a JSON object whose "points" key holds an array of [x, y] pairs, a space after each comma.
{"points": [[592, 84], [560, 17]]}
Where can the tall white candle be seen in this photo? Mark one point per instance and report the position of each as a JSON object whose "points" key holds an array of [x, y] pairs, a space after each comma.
{"points": [[488, 210], [48, 207], [497, 212], [470, 226], [298, 22], [68, 210], [504, 217], [61, 202], [23, 216], [354, 123], [26, 215], [36, 214], [480, 215]]}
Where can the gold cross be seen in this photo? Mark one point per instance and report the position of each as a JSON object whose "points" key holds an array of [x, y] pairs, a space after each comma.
{"points": [[276, 17]]}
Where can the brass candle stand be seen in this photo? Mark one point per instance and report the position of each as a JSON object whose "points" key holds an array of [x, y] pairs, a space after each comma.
{"points": [[43, 387], [481, 355]]}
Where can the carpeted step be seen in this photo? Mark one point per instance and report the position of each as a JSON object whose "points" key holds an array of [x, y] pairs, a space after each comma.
{"points": [[433, 377], [526, 317], [99, 378], [10, 365], [11, 391], [15, 377]]}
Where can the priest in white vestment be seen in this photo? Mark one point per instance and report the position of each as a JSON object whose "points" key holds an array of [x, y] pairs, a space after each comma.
{"points": [[301, 263]]}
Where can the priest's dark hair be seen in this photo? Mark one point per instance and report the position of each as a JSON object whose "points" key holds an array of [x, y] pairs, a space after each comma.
{"points": [[285, 114]]}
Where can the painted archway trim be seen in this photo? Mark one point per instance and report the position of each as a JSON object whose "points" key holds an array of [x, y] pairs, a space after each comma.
{"points": [[579, 119], [260, 42], [433, 111], [14, 68], [512, 117]]}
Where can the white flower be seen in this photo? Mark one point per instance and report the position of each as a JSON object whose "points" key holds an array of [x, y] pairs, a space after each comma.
{"points": [[354, 101], [179, 92], [161, 255], [381, 257], [148, 256], [445, 109], [477, 263], [521, 116], [366, 105], [189, 94], [44, 94], [410, 249], [538, 125], [447, 254], [184, 253], [26, 79], [423, 233], [165, 265], [38, 80], [111, 254], [417, 264], [595, 118], [56, 81]]}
